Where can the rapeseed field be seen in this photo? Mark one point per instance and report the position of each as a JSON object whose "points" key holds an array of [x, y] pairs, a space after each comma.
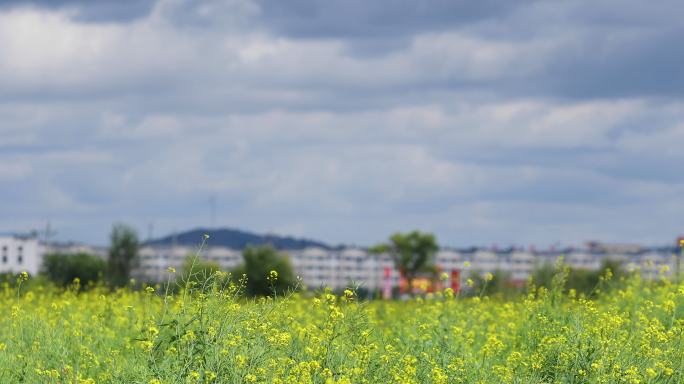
{"points": [[208, 332]]}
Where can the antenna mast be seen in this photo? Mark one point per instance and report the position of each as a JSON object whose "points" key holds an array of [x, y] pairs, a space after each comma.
{"points": [[49, 234]]}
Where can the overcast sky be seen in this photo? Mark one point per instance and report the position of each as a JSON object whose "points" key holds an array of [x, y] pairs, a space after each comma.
{"points": [[345, 120]]}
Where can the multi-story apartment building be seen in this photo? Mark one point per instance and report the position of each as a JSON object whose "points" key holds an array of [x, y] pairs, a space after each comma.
{"points": [[338, 268], [19, 253], [155, 260]]}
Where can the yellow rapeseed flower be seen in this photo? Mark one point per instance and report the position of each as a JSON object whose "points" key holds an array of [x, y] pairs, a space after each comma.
{"points": [[307, 337]]}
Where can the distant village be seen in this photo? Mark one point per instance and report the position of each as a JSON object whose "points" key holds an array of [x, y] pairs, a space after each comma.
{"points": [[336, 267]]}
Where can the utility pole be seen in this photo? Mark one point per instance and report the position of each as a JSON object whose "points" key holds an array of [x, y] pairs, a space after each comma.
{"points": [[49, 234]]}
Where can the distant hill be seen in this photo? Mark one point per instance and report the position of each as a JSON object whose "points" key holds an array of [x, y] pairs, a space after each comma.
{"points": [[236, 239]]}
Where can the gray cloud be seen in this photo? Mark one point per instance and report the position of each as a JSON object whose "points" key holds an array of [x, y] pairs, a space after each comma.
{"points": [[359, 19]]}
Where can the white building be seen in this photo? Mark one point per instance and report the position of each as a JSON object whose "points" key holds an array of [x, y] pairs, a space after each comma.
{"points": [[19, 253], [155, 260], [339, 268]]}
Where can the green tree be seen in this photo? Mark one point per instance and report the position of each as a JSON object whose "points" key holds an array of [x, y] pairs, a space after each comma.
{"points": [[62, 268], [123, 254], [411, 252], [257, 266]]}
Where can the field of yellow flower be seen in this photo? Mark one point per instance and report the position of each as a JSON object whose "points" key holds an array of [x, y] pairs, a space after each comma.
{"points": [[210, 334]]}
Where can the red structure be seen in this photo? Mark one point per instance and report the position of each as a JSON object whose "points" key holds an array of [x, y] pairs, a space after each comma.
{"points": [[456, 280]]}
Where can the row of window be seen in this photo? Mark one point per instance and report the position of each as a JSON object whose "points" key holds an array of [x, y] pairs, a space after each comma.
{"points": [[179, 257], [20, 249], [20, 256], [331, 268], [330, 257], [324, 278], [20, 259]]}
